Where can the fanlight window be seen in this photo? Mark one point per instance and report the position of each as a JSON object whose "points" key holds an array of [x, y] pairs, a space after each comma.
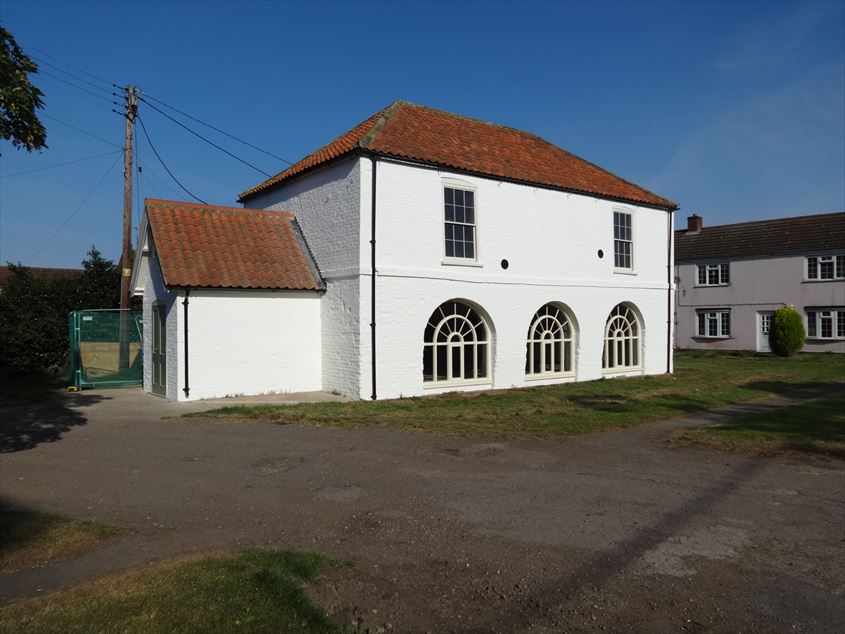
{"points": [[456, 345], [621, 339], [550, 339]]}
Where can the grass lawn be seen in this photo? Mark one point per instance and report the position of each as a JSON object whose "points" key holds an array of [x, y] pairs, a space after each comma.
{"points": [[248, 591], [817, 426], [30, 537], [702, 380]]}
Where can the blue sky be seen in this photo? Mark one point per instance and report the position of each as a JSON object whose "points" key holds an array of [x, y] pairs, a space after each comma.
{"points": [[734, 110]]}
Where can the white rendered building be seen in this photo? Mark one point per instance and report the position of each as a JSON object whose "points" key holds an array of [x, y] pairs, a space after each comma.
{"points": [[422, 252]]}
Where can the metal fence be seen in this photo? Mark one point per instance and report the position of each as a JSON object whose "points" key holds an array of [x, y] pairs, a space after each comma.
{"points": [[99, 355]]}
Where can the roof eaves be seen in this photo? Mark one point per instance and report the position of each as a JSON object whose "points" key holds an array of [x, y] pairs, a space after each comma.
{"points": [[506, 179]]}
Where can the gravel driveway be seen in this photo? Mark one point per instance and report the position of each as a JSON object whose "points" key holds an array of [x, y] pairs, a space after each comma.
{"points": [[616, 531]]}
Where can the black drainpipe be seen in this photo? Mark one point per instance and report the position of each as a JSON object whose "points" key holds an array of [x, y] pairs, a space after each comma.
{"points": [[669, 267], [373, 279], [186, 389]]}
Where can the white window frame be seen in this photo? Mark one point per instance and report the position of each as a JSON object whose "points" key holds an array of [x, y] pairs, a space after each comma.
{"points": [[455, 184], [813, 267], [549, 328], [713, 316], [624, 269], [456, 322], [622, 332], [816, 317], [721, 269]]}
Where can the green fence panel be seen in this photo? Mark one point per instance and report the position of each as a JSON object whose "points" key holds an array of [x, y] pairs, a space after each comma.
{"points": [[106, 348]]}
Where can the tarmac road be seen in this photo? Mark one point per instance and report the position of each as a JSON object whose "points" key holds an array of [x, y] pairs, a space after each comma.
{"points": [[616, 531]]}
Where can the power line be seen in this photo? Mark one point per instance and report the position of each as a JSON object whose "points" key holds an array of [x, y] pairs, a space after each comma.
{"points": [[176, 180], [75, 211], [69, 74], [48, 82], [84, 72], [197, 134], [163, 182], [85, 90], [47, 167], [208, 125], [79, 130]]}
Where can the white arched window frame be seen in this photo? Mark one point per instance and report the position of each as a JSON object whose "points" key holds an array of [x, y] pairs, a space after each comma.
{"points": [[550, 347], [456, 348], [622, 340]]}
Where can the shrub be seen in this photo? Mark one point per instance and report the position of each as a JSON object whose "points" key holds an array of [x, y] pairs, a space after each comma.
{"points": [[34, 312], [787, 334]]}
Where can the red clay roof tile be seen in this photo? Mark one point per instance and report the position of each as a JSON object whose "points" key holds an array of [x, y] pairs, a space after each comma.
{"points": [[418, 133], [208, 246]]}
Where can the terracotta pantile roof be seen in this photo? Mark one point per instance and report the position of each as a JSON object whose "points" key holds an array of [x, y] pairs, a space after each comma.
{"points": [[207, 246], [801, 234], [408, 131], [39, 272]]}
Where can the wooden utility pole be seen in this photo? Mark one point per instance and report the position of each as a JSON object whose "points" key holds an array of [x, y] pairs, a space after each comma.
{"points": [[126, 256]]}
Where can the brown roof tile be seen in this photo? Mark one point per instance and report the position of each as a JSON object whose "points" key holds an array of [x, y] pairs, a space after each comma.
{"points": [[40, 272], [408, 131], [208, 246], [782, 236]]}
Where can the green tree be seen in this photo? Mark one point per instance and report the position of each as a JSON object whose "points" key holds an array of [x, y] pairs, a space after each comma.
{"points": [[99, 284], [787, 334], [34, 312], [19, 99]]}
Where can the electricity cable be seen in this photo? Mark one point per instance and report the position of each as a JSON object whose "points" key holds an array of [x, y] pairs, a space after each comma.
{"points": [[176, 180], [84, 72], [71, 75], [197, 134], [70, 83], [75, 211], [208, 125], [47, 167], [79, 130]]}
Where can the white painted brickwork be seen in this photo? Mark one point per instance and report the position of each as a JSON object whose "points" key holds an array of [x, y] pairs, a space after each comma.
{"points": [[327, 205], [154, 290], [550, 240], [250, 342]]}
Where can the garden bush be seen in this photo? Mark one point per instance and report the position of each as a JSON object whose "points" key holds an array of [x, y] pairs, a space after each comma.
{"points": [[34, 312], [787, 334]]}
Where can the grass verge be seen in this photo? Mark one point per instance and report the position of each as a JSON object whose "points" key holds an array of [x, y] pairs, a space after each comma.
{"points": [[248, 591], [815, 427], [30, 537], [702, 380]]}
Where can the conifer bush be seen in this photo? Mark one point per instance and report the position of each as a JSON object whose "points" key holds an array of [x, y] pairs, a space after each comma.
{"points": [[787, 334]]}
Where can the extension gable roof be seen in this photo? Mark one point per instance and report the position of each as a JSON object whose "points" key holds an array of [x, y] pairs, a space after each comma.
{"points": [[208, 246], [782, 236], [412, 132]]}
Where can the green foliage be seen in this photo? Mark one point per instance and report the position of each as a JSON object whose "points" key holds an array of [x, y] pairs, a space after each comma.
{"points": [[34, 312], [787, 334], [19, 99]]}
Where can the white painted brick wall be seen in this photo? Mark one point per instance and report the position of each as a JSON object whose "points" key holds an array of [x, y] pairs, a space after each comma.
{"points": [[154, 290], [250, 342], [551, 241], [327, 205]]}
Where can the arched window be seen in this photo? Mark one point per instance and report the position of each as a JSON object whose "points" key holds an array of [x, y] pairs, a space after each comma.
{"points": [[456, 345], [621, 339], [549, 350]]}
